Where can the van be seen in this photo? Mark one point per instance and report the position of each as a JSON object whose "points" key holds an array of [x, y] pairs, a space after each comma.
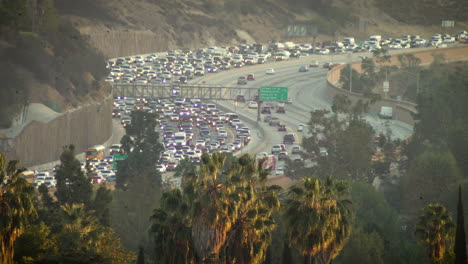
{"points": [[180, 138], [210, 107], [348, 41], [376, 38]]}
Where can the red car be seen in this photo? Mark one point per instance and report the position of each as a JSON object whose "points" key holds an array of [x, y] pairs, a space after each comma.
{"points": [[281, 128], [251, 77], [281, 110]]}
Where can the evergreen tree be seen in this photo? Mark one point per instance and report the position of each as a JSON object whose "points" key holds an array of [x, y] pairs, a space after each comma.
{"points": [[141, 256], [460, 239], [73, 186]]}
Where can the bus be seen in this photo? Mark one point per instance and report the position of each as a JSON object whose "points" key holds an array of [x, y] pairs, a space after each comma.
{"points": [[96, 152]]}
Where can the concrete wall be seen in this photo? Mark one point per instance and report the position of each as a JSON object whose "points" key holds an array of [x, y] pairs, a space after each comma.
{"points": [[85, 126]]}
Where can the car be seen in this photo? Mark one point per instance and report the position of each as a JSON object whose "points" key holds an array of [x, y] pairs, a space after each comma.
{"points": [[283, 155], [281, 128], [324, 51], [289, 139], [242, 80], [253, 105], [266, 110], [314, 64], [300, 128], [281, 110], [240, 98], [267, 119], [303, 69], [161, 168], [276, 149], [296, 150], [251, 77], [279, 171], [274, 121], [270, 71]]}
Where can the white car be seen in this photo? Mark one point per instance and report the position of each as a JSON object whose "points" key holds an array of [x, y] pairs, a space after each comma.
{"points": [[253, 105], [161, 168], [449, 40], [107, 173], [276, 149], [324, 51], [200, 143], [270, 71], [223, 133], [300, 128], [279, 171]]}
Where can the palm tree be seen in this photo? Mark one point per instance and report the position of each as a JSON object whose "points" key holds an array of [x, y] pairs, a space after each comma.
{"points": [[171, 229], [435, 228], [16, 207], [319, 218], [252, 209], [81, 230], [211, 217]]}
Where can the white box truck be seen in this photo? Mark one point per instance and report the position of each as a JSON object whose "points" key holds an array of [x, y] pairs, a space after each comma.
{"points": [[386, 112]]}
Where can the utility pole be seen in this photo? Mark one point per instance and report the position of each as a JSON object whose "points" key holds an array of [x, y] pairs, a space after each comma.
{"points": [[417, 83], [350, 77]]}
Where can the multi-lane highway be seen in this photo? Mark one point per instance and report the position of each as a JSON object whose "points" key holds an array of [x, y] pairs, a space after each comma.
{"points": [[307, 91]]}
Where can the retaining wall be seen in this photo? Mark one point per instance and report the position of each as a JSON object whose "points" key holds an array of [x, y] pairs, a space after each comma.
{"points": [[83, 127]]}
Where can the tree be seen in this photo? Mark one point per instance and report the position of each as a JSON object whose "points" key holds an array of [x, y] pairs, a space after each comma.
{"points": [[100, 205], [430, 175], [346, 158], [141, 256], [35, 243], [319, 218], [73, 186], [143, 148], [171, 229], [435, 229], [16, 207], [364, 248], [211, 219], [460, 236]]}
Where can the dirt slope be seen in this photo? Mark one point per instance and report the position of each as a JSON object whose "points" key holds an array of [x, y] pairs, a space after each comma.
{"points": [[125, 27]]}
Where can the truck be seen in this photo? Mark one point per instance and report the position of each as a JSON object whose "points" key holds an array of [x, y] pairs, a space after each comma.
{"points": [[180, 138], [386, 112]]}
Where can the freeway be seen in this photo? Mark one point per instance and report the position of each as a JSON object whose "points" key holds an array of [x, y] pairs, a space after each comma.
{"points": [[308, 92]]}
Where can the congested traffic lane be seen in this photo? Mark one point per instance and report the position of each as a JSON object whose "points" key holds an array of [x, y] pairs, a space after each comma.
{"points": [[307, 89]]}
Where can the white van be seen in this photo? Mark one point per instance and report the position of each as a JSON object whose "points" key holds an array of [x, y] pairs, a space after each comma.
{"points": [[210, 107], [376, 38], [180, 138], [348, 41]]}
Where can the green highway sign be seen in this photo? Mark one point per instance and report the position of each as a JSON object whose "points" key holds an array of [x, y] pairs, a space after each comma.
{"points": [[118, 157], [272, 93]]}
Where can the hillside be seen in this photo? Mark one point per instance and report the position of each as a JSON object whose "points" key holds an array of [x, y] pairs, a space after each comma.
{"points": [[125, 27]]}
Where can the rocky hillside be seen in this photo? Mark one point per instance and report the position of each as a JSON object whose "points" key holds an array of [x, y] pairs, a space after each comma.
{"points": [[125, 27]]}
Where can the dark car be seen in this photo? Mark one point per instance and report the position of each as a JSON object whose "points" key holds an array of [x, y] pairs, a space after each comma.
{"points": [[289, 139], [251, 77], [281, 110], [303, 69], [266, 110], [240, 98]]}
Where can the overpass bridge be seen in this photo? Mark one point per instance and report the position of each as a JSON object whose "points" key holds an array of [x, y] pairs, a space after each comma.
{"points": [[198, 91]]}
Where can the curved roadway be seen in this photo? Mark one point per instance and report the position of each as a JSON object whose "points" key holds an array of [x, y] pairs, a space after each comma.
{"points": [[308, 92]]}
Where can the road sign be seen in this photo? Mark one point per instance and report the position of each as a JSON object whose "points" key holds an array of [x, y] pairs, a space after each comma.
{"points": [[118, 157], [272, 93], [386, 87]]}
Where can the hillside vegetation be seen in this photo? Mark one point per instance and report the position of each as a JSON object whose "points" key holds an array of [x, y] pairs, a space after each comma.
{"points": [[44, 59]]}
